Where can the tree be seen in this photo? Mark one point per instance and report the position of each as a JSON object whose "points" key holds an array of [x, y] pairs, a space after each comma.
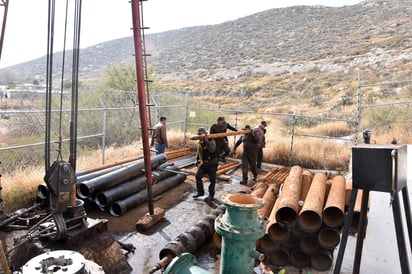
{"points": [[122, 78], [11, 85]]}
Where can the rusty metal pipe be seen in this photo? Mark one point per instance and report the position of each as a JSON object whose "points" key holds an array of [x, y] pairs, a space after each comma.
{"points": [[307, 177], [289, 197], [86, 188], [269, 199], [106, 197], [328, 237], [309, 244], [322, 259], [266, 245], [277, 233], [357, 212], [334, 210], [259, 189], [220, 135], [298, 258], [310, 217], [279, 256], [121, 206]]}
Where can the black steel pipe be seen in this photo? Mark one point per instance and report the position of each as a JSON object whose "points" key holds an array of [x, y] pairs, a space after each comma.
{"points": [[106, 197], [121, 206], [184, 242], [190, 240], [86, 188], [97, 173]]}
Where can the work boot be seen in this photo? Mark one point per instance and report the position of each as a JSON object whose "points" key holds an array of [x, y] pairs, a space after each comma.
{"points": [[198, 195], [210, 199], [244, 182]]}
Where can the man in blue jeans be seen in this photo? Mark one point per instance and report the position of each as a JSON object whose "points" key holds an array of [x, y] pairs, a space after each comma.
{"points": [[159, 136]]}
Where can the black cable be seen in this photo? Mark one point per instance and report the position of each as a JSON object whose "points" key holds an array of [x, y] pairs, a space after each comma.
{"points": [[75, 86], [59, 156], [49, 74]]}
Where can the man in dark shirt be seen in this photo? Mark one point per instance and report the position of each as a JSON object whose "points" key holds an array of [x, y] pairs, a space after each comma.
{"points": [[249, 156], [260, 132], [222, 144], [207, 163]]}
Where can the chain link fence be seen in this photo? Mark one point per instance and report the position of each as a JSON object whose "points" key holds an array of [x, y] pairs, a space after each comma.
{"points": [[111, 121]]}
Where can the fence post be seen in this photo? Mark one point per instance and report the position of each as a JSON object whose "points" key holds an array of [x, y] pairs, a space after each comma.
{"points": [[291, 140], [358, 110], [104, 130], [185, 119]]}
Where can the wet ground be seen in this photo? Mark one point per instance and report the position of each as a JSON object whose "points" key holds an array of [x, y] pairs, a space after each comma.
{"points": [[379, 255]]}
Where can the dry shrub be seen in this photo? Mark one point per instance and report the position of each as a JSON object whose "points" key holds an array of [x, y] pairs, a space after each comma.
{"points": [[331, 129], [308, 153], [20, 188], [321, 154]]}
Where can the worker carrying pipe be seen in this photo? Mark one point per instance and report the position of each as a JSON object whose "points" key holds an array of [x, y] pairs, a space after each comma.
{"points": [[223, 134]]}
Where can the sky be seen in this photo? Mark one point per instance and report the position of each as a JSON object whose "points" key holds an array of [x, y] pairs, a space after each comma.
{"points": [[25, 35]]}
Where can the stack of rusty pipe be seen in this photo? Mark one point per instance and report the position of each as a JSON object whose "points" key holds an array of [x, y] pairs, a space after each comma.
{"points": [[305, 212]]}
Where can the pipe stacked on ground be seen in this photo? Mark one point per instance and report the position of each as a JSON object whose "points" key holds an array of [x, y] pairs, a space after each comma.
{"points": [[310, 217], [190, 240], [89, 187], [309, 241], [119, 207], [289, 197], [108, 196]]}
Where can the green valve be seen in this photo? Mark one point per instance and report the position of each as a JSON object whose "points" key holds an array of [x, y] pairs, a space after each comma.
{"points": [[240, 228], [184, 263]]}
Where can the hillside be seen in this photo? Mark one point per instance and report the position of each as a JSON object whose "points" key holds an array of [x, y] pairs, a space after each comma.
{"points": [[275, 56]]}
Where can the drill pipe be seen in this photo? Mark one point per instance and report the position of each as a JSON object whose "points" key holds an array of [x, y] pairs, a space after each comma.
{"points": [[288, 211], [279, 256], [97, 173], [309, 244], [105, 166], [307, 178], [310, 217], [116, 177], [121, 206], [322, 259], [266, 246], [219, 135], [277, 233], [328, 237], [185, 241], [269, 198], [298, 258], [106, 197], [334, 210], [259, 189]]}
